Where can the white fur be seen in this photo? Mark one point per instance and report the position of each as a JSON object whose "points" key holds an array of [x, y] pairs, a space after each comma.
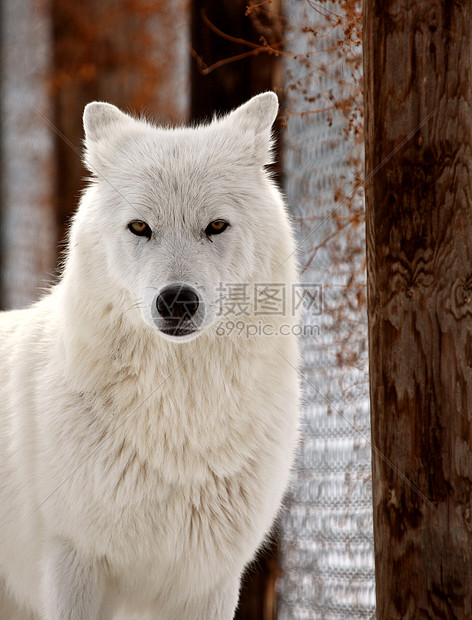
{"points": [[139, 475]]}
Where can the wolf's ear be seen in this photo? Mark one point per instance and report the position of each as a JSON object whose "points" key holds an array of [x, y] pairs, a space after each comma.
{"points": [[100, 118], [104, 125], [254, 120], [257, 114]]}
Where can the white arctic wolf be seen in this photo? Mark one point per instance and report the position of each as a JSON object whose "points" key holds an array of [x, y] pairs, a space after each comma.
{"points": [[144, 445]]}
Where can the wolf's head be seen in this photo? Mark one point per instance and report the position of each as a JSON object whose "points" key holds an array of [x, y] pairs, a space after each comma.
{"points": [[171, 214]]}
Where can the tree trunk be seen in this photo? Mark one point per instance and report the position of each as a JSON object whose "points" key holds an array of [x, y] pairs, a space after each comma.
{"points": [[133, 54], [27, 171], [419, 262], [221, 78]]}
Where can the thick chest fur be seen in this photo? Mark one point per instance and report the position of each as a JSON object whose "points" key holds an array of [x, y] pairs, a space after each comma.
{"points": [[181, 476], [139, 517]]}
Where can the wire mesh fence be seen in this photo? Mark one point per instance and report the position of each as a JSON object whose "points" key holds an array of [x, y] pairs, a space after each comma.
{"points": [[327, 531]]}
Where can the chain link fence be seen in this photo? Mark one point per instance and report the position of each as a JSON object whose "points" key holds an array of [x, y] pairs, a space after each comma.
{"points": [[327, 527]]}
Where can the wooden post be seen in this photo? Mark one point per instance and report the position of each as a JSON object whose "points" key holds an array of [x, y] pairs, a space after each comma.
{"points": [[418, 102]]}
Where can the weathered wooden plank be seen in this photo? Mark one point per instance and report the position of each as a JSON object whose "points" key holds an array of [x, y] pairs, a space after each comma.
{"points": [[419, 258]]}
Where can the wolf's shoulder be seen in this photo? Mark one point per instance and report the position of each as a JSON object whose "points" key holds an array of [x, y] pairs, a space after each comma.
{"points": [[26, 330]]}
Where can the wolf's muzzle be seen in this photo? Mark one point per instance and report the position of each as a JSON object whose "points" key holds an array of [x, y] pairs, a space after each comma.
{"points": [[177, 302], [178, 311]]}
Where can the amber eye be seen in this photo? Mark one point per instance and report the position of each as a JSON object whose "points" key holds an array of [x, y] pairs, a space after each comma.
{"points": [[216, 227], [140, 228]]}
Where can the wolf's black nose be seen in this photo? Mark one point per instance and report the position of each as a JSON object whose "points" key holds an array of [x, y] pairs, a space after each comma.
{"points": [[177, 301]]}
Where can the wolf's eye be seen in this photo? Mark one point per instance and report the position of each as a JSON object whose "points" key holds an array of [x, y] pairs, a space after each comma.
{"points": [[140, 228], [216, 227]]}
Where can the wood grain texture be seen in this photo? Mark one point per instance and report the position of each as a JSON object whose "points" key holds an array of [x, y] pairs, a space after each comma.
{"points": [[419, 257]]}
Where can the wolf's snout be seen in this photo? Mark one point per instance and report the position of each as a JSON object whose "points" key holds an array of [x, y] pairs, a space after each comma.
{"points": [[178, 311], [177, 302]]}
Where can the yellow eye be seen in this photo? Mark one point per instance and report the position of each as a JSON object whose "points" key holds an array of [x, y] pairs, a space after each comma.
{"points": [[216, 227], [140, 228]]}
